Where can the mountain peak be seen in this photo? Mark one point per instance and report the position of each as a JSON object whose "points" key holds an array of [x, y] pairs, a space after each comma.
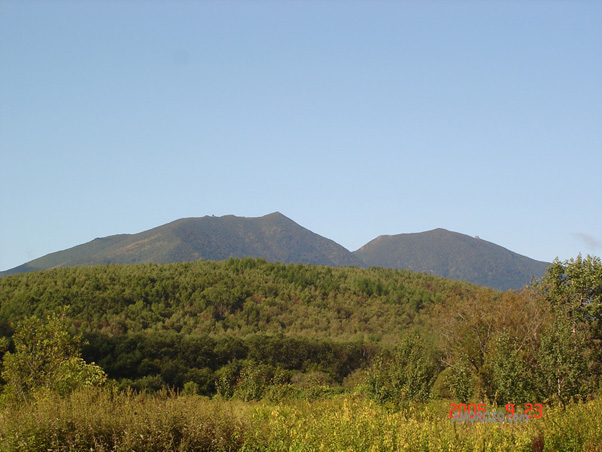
{"points": [[273, 237], [452, 255]]}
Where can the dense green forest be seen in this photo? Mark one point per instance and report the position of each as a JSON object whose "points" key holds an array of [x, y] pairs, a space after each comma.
{"points": [[251, 330], [234, 297], [153, 325]]}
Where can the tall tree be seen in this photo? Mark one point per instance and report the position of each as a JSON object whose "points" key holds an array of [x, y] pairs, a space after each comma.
{"points": [[561, 361]]}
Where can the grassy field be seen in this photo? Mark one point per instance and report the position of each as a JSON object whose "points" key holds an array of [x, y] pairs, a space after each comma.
{"points": [[107, 420]]}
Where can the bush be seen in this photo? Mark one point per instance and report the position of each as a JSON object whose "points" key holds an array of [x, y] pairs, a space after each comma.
{"points": [[47, 358], [406, 376]]}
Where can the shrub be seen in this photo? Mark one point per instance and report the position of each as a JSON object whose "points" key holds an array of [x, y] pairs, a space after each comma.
{"points": [[47, 358], [407, 376]]}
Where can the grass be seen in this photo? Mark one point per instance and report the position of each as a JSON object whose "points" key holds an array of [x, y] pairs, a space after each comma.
{"points": [[107, 420], [103, 420]]}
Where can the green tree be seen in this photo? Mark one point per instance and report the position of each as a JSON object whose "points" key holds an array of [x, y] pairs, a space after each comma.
{"points": [[461, 379], [488, 342], [508, 373], [570, 359], [408, 375], [46, 357], [562, 368], [575, 286]]}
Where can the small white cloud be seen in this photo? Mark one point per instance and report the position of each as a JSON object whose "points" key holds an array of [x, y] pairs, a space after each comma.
{"points": [[588, 240]]}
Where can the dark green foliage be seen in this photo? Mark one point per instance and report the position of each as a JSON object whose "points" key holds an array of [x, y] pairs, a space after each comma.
{"points": [[174, 359]]}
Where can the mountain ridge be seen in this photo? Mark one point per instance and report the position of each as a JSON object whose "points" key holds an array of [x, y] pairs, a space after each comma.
{"points": [[277, 238], [273, 236]]}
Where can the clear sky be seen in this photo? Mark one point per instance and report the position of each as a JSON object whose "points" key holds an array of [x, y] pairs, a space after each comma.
{"points": [[353, 118]]}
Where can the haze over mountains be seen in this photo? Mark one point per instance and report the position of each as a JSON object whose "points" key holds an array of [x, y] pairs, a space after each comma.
{"points": [[277, 238]]}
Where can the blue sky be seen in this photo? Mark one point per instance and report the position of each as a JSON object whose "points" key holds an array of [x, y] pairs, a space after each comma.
{"points": [[354, 119]]}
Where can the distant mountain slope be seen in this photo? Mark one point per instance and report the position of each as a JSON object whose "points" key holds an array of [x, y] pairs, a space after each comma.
{"points": [[273, 237], [277, 238], [452, 255]]}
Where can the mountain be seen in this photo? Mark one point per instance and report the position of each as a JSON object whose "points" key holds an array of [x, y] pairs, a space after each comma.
{"points": [[277, 238], [452, 255], [273, 237]]}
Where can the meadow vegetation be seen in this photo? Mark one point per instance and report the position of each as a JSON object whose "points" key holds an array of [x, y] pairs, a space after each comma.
{"points": [[109, 420], [250, 355]]}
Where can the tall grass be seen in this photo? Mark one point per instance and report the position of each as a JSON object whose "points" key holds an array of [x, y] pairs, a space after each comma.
{"points": [[359, 425], [106, 420]]}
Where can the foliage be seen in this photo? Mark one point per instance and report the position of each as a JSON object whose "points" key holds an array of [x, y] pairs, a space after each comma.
{"points": [[148, 360], [514, 348], [460, 379], [199, 325], [276, 342], [490, 342], [237, 297], [570, 355], [562, 364], [408, 375], [106, 420], [249, 380], [508, 371], [46, 357], [575, 285], [150, 325]]}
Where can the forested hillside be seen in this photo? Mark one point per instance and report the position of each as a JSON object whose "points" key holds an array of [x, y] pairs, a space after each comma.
{"points": [[152, 325], [149, 320], [237, 297]]}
